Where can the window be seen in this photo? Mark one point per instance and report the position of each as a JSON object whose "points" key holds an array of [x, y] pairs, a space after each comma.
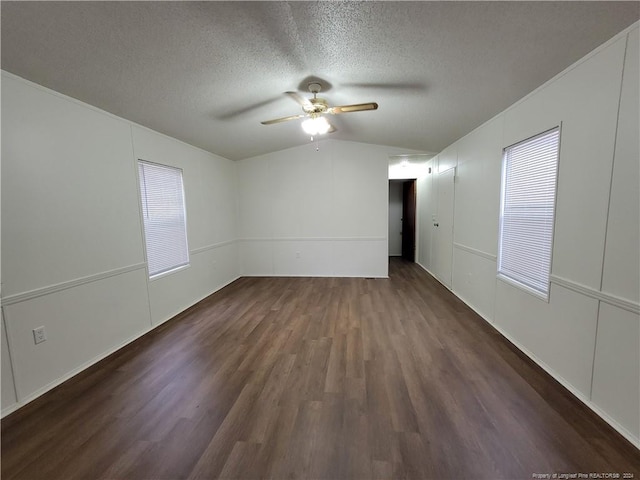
{"points": [[527, 208], [163, 211]]}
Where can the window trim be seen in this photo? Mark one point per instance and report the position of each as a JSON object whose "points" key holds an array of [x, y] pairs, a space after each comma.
{"points": [[166, 273], [545, 296], [141, 198]]}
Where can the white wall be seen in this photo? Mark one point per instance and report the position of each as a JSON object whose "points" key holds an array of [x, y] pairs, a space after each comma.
{"points": [[476, 217], [588, 334], [395, 218], [72, 240], [616, 373], [7, 389], [315, 210]]}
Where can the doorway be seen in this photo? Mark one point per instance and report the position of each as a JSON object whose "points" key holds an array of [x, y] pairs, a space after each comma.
{"points": [[409, 220], [402, 219]]}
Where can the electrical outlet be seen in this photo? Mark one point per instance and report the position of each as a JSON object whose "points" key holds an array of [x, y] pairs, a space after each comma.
{"points": [[297, 254], [39, 335]]}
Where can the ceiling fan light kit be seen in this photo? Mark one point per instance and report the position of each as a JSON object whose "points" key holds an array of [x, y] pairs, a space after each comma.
{"points": [[316, 108], [316, 126]]}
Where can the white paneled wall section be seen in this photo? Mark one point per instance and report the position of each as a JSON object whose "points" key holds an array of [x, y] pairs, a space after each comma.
{"points": [[588, 334], [72, 240], [315, 210]]}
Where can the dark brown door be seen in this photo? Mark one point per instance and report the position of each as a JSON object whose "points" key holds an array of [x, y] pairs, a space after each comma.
{"points": [[409, 220]]}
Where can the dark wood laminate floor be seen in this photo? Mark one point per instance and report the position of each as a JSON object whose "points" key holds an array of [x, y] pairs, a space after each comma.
{"points": [[301, 378]]}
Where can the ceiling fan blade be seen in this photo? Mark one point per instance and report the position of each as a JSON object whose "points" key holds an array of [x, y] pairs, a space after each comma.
{"points": [[354, 108], [283, 119], [299, 99], [389, 86]]}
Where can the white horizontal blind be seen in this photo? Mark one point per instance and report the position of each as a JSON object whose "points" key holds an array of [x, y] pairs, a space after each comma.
{"points": [[163, 210], [529, 180]]}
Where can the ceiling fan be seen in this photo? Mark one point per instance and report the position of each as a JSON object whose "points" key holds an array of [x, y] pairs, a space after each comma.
{"points": [[315, 108]]}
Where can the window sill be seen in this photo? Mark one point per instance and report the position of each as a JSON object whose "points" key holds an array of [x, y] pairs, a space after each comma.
{"points": [[521, 286], [160, 275]]}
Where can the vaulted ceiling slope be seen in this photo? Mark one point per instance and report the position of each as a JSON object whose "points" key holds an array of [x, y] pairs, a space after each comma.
{"points": [[208, 72]]}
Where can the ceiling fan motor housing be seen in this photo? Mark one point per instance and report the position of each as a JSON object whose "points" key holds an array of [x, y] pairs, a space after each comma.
{"points": [[316, 105]]}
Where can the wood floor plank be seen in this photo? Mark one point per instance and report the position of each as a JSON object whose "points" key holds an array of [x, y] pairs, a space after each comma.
{"points": [[269, 398], [302, 442], [274, 449], [355, 431], [241, 462], [337, 365], [323, 378], [232, 430]]}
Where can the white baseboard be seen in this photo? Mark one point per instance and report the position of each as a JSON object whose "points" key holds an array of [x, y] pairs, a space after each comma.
{"points": [[50, 386], [41, 391], [576, 393]]}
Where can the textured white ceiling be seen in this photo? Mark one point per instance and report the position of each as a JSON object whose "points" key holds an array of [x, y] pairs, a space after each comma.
{"points": [[209, 72]]}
